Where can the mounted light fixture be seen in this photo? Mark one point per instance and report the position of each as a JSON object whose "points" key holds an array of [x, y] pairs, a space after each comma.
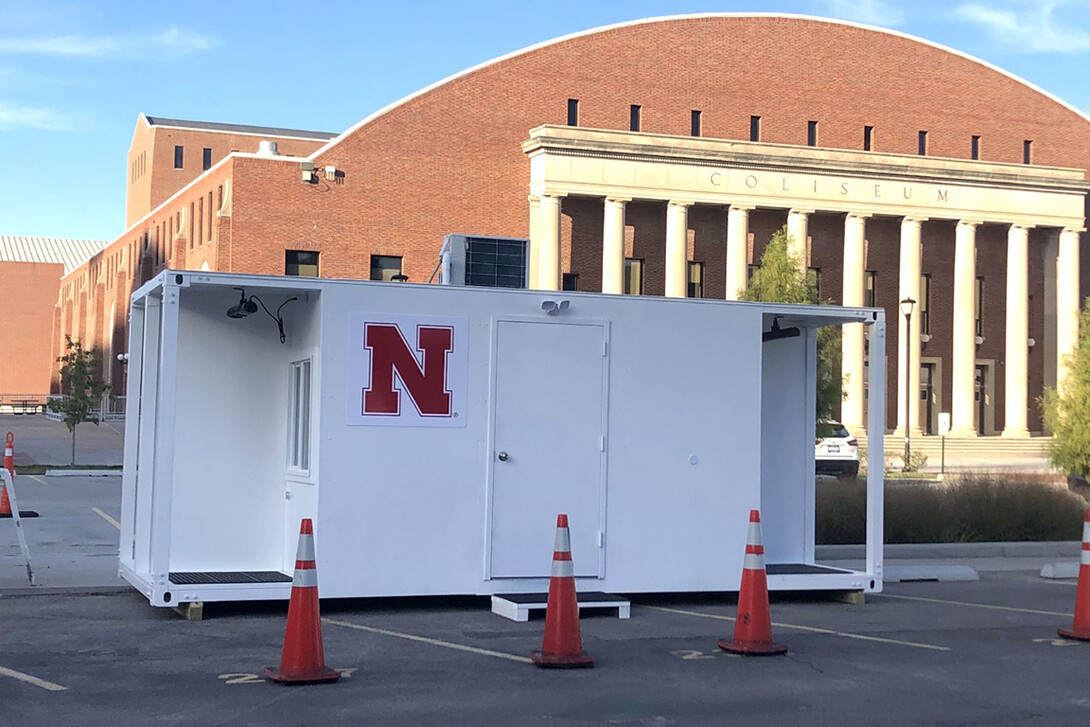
{"points": [[552, 307], [246, 306], [775, 333]]}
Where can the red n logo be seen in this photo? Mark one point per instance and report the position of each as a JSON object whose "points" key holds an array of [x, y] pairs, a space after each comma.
{"points": [[425, 384]]}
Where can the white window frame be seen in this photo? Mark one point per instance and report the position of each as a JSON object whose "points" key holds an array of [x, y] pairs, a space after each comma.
{"points": [[299, 452]]}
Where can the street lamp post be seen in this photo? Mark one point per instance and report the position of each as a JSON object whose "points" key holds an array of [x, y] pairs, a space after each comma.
{"points": [[906, 308]]}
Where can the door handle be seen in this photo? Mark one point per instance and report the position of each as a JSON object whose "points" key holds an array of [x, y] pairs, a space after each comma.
{"points": [[502, 456]]}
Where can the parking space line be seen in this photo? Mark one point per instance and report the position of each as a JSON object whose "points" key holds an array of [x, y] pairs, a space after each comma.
{"points": [[106, 517], [433, 642], [811, 629], [37, 479], [977, 605], [50, 686]]}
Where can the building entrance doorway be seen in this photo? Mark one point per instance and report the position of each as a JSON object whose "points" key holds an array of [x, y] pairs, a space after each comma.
{"points": [[982, 399], [928, 408]]}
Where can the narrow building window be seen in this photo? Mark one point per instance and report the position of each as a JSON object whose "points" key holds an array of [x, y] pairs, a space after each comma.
{"points": [[179, 157], [754, 128], [813, 276], [975, 150], [634, 118], [219, 198], [573, 112], [979, 315], [303, 263], [192, 209], [633, 276], [210, 215], [925, 303], [206, 158], [385, 267], [868, 138], [811, 133], [694, 123], [922, 144], [870, 286], [570, 281], [696, 280], [1027, 151], [299, 415], [200, 221]]}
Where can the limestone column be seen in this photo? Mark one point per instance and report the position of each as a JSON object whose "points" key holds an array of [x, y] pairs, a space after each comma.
{"points": [[797, 233], [548, 243], [1017, 347], [851, 410], [908, 341], [613, 245], [535, 241], [737, 250], [677, 237], [1067, 301], [964, 331]]}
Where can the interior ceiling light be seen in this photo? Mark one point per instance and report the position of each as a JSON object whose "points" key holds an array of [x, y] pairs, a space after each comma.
{"points": [[776, 333], [246, 306]]}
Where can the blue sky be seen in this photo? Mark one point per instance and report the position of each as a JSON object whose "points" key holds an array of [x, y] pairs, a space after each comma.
{"points": [[74, 76]]}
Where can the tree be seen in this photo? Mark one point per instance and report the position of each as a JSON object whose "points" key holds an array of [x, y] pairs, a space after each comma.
{"points": [[81, 387], [780, 279], [1067, 411]]}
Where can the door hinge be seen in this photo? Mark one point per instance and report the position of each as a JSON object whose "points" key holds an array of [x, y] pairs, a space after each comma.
{"points": [[602, 443], [601, 539], [605, 348]]}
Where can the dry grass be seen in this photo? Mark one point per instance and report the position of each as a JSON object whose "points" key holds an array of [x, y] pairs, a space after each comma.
{"points": [[969, 508]]}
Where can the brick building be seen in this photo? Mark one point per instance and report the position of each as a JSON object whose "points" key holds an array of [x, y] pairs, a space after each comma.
{"points": [[31, 269], [658, 157]]}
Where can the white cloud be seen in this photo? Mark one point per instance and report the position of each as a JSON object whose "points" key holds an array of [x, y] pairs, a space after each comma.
{"points": [[170, 43], [1035, 27], [30, 117], [870, 12]]}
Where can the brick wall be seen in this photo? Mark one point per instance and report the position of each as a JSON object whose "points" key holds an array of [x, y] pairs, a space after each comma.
{"points": [[27, 294]]}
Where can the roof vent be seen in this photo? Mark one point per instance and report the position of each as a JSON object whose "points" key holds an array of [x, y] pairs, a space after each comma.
{"points": [[267, 148]]}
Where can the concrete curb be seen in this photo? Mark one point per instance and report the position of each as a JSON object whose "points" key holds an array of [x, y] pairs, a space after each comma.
{"points": [[944, 573], [1060, 570], [924, 551], [83, 473], [30, 591]]}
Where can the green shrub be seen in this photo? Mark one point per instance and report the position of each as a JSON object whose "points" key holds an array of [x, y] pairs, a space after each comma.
{"points": [[969, 508]]}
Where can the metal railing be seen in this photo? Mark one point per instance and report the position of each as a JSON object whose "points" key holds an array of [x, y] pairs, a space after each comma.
{"points": [[110, 408]]}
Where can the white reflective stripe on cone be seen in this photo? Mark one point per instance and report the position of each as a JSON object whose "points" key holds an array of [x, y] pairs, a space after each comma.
{"points": [[1086, 532], [1084, 559], [754, 561], [306, 548], [563, 569], [562, 542], [754, 536], [305, 578]]}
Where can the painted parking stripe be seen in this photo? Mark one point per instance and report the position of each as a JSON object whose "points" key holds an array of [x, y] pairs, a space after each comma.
{"points": [[811, 629], [978, 605], [433, 642], [37, 479], [50, 686], [106, 517]]}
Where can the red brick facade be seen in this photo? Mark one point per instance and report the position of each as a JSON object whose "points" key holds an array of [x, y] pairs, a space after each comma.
{"points": [[450, 160]]}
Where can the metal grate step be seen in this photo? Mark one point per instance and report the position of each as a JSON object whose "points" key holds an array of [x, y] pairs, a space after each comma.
{"points": [[257, 576]]}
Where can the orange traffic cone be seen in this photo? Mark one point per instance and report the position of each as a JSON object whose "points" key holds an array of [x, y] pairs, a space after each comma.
{"points": [[753, 627], [1081, 629], [303, 660], [562, 646], [9, 465]]}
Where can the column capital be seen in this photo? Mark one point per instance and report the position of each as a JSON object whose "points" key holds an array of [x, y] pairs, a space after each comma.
{"points": [[1020, 226], [680, 203], [615, 199], [858, 216], [741, 207], [534, 198], [553, 195], [969, 223], [797, 211], [1074, 230], [913, 220]]}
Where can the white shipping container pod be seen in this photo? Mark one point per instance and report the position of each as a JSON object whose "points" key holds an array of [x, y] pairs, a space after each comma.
{"points": [[433, 433]]}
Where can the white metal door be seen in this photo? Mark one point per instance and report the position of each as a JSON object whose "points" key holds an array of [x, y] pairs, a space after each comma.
{"points": [[548, 445]]}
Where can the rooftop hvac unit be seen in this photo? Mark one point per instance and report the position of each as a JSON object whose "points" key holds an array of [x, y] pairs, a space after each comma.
{"points": [[493, 262]]}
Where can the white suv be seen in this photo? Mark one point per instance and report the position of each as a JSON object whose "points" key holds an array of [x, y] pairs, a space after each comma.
{"points": [[836, 451]]}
